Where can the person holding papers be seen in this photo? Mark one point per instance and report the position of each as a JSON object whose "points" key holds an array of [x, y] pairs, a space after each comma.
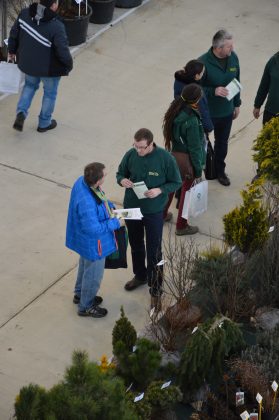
{"points": [[222, 66], [184, 137], [148, 171], [90, 232]]}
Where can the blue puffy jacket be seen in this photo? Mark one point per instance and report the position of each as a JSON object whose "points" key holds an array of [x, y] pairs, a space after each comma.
{"points": [[90, 230]]}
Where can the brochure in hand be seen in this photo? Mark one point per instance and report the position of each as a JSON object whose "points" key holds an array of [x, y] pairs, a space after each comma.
{"points": [[132, 214], [140, 188], [234, 87]]}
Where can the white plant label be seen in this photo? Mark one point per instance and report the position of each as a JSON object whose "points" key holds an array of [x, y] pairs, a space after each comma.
{"points": [[195, 329], [139, 397], [166, 384], [152, 312], [162, 262], [274, 386], [259, 398], [271, 229], [245, 415], [129, 387], [134, 349]]}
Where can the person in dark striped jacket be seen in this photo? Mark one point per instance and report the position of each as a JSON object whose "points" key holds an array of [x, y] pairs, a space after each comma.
{"points": [[39, 43]]}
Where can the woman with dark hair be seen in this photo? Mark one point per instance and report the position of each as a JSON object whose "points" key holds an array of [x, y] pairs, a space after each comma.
{"points": [[193, 73], [184, 137]]}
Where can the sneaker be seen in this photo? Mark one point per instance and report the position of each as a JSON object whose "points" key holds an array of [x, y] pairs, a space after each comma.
{"points": [[19, 121], [95, 312], [168, 217], [224, 180], [97, 299], [188, 230], [51, 126], [134, 283]]}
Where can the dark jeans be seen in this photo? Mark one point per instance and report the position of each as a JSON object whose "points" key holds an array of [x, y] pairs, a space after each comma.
{"points": [[222, 129], [267, 116], [152, 226]]}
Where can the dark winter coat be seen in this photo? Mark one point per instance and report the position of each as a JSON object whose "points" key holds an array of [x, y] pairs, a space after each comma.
{"points": [[180, 81], [269, 86], [41, 46]]}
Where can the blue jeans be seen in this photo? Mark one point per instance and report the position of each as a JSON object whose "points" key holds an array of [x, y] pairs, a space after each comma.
{"points": [[31, 85], [152, 224], [222, 129], [89, 277]]}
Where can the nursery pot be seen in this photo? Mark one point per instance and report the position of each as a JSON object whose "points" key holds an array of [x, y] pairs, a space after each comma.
{"points": [[127, 3], [102, 10], [76, 29]]}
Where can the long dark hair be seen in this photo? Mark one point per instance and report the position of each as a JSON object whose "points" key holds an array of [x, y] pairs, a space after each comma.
{"points": [[192, 68], [191, 94]]}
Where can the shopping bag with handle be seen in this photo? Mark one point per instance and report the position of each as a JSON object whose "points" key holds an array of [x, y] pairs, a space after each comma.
{"points": [[195, 201], [10, 77]]}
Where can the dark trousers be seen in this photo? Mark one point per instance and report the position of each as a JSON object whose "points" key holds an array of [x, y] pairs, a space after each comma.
{"points": [[152, 227], [222, 129], [267, 116]]}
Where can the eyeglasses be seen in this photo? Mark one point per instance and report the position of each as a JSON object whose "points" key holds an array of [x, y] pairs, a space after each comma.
{"points": [[140, 147]]}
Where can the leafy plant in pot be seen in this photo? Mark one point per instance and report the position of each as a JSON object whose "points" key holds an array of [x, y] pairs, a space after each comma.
{"points": [[76, 17], [102, 10]]}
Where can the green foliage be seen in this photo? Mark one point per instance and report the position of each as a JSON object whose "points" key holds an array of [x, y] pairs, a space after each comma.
{"points": [[266, 147], [142, 408], [247, 225], [30, 403], [85, 393], [206, 350], [220, 286], [141, 366], [162, 398], [124, 331], [262, 269]]}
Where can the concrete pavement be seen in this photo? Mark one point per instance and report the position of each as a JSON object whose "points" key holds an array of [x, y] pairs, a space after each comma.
{"points": [[120, 82]]}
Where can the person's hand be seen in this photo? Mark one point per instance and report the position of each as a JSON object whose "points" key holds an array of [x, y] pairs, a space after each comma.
{"points": [[11, 57], [236, 112], [122, 222], [221, 91], [126, 183], [154, 192], [256, 112]]}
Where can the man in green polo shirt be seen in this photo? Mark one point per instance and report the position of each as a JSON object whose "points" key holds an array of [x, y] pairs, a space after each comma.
{"points": [[222, 66], [147, 162]]}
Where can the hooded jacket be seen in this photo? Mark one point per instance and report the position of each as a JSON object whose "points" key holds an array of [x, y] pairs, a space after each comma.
{"points": [[40, 42], [180, 81]]}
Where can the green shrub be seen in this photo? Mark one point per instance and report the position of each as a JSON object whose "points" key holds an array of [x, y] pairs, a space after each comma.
{"points": [[85, 393], [266, 147], [124, 331], [206, 351], [247, 225], [165, 398], [220, 286], [262, 269]]}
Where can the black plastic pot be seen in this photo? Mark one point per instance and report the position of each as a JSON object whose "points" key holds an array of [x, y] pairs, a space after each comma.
{"points": [[76, 29], [102, 10], [127, 3]]}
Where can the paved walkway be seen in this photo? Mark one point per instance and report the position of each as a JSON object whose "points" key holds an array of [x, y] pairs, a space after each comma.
{"points": [[121, 82]]}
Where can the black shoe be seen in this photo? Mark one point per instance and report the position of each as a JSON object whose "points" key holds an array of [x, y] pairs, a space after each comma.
{"points": [[19, 121], [52, 125], [95, 312], [134, 283], [97, 299], [224, 180]]}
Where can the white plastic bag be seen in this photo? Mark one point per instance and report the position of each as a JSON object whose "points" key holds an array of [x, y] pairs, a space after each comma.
{"points": [[10, 77], [195, 201]]}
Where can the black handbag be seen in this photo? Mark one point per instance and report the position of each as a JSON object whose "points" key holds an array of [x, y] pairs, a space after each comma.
{"points": [[210, 170], [118, 259]]}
